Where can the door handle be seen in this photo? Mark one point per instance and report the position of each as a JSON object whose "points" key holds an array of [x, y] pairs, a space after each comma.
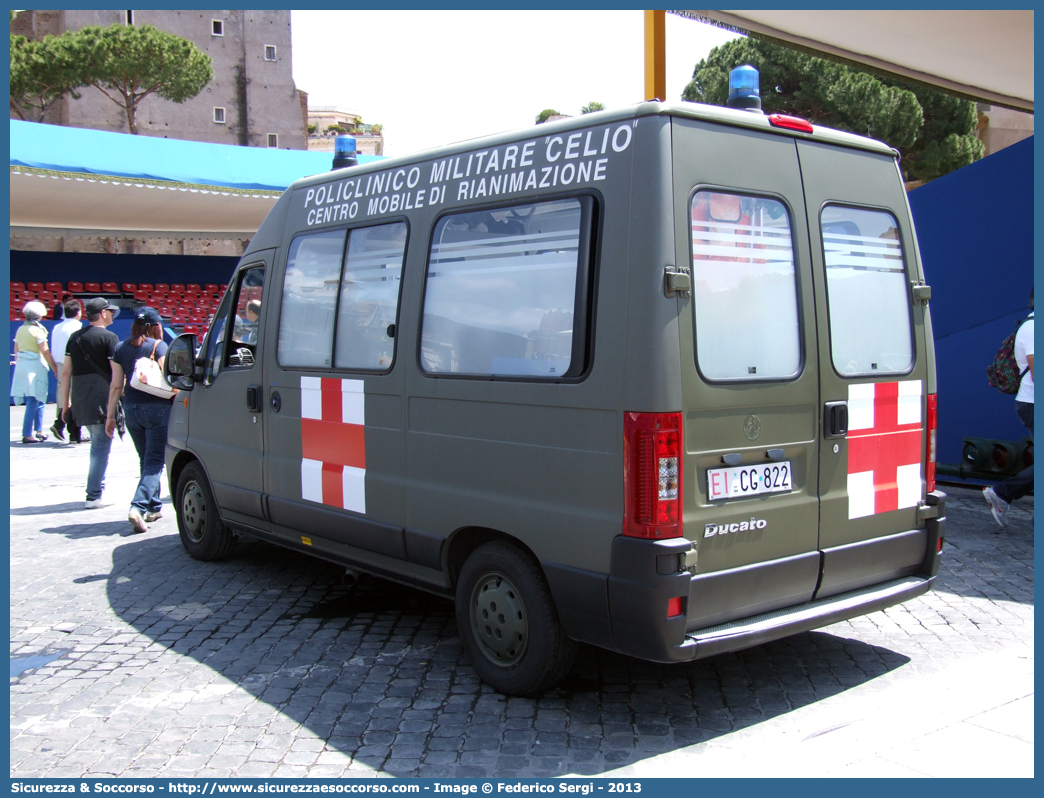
{"points": [[276, 401], [835, 420], [254, 399]]}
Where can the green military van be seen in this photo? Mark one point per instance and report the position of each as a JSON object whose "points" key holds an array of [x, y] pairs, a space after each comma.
{"points": [[658, 379]]}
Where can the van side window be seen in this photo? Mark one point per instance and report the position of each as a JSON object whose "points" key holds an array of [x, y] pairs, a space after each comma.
{"points": [[306, 318], [370, 297], [215, 340], [867, 298], [246, 319], [744, 288], [502, 289]]}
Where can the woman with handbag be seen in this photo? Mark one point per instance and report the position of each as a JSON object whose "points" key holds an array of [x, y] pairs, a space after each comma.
{"points": [[32, 362], [137, 367]]}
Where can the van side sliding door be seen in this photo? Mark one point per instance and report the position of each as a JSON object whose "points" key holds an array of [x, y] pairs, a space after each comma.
{"points": [[873, 367]]}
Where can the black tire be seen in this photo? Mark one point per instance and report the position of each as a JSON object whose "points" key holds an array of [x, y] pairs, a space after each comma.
{"points": [[508, 622], [199, 522]]}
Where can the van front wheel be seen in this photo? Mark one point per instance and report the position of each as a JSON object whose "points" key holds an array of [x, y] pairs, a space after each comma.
{"points": [[507, 620], [199, 524]]}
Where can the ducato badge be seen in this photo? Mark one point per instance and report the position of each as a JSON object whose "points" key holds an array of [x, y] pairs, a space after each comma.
{"points": [[743, 526]]}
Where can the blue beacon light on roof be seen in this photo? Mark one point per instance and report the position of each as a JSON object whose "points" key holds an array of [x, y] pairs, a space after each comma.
{"points": [[744, 89], [344, 152]]}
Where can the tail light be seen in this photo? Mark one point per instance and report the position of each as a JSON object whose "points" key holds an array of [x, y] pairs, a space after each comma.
{"points": [[931, 441], [652, 475]]}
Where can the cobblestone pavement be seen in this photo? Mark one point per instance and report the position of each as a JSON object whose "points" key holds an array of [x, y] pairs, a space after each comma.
{"points": [[268, 664]]}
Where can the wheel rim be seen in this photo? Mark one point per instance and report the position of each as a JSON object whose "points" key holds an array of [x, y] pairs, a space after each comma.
{"points": [[498, 620], [194, 512]]}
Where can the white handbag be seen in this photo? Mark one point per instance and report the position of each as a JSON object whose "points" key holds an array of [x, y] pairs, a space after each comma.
{"points": [[148, 376]]}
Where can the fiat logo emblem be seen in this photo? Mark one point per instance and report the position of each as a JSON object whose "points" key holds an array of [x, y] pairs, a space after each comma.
{"points": [[752, 427]]}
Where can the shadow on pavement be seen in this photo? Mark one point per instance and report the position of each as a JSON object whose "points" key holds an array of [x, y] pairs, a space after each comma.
{"points": [[376, 669], [47, 509], [92, 529]]}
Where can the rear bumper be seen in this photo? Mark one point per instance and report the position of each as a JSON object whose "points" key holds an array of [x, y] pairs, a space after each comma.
{"points": [[774, 625], [758, 603]]}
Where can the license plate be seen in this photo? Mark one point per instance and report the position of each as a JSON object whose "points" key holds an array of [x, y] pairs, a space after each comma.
{"points": [[730, 483]]}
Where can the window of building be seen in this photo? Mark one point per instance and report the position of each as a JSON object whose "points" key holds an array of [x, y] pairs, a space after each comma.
{"points": [[130, 17], [506, 291], [273, 140], [219, 115], [744, 288], [342, 316], [869, 309], [217, 27], [270, 52]]}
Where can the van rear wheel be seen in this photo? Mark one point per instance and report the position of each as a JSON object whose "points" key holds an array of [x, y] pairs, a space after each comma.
{"points": [[199, 523], [508, 622]]}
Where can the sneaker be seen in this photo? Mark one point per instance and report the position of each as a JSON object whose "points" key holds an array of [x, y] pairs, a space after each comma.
{"points": [[134, 516], [997, 506], [30, 440], [150, 517], [94, 504], [40, 436], [59, 434]]}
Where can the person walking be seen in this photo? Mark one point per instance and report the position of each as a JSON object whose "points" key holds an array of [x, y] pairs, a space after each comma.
{"points": [[86, 376], [32, 361], [147, 415], [59, 340], [1022, 483]]}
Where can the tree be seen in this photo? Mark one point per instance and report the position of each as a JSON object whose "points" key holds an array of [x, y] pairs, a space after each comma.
{"points": [[591, 107], [128, 63], [41, 73], [933, 132], [546, 114]]}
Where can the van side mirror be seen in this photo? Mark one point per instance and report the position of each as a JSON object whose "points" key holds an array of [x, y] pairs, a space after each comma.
{"points": [[180, 364]]}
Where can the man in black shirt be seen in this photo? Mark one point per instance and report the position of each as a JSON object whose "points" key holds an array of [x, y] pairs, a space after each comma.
{"points": [[88, 371]]}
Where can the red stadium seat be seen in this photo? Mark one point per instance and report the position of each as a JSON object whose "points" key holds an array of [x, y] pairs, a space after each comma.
{"points": [[211, 287], [177, 287], [35, 286], [141, 296], [192, 287], [46, 296], [129, 288], [110, 288], [145, 287], [92, 288], [54, 288], [189, 328], [27, 296], [17, 287], [74, 288], [14, 315], [224, 287], [162, 286]]}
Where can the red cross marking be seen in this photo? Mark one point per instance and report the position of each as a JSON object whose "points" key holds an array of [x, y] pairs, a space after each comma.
{"points": [[885, 447]]}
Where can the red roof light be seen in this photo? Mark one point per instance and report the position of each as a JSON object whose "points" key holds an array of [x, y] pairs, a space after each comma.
{"points": [[790, 122]]}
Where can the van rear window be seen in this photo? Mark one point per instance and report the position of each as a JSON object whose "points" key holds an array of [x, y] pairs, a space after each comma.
{"points": [[502, 291], [744, 288], [867, 298]]}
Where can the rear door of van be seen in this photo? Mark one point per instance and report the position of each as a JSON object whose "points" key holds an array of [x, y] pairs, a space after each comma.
{"points": [[873, 367], [750, 372]]}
